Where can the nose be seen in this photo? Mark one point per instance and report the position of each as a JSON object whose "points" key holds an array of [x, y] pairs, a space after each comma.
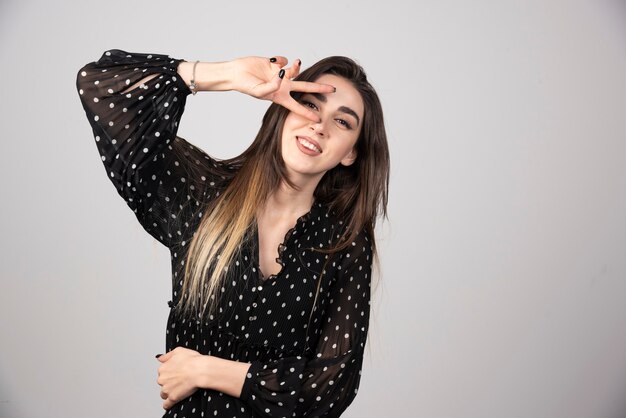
{"points": [[318, 127]]}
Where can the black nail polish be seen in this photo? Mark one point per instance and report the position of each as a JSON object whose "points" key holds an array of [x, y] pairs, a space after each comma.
{"points": [[334, 89], [281, 73], [273, 59], [299, 63], [158, 355]]}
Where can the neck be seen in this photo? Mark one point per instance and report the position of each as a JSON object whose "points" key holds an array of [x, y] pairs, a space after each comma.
{"points": [[287, 202], [290, 202]]}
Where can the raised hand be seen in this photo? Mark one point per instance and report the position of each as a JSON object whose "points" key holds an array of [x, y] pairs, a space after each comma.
{"points": [[266, 79]]}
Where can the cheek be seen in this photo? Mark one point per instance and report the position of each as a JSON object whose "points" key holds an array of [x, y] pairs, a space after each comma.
{"points": [[286, 131], [351, 141], [287, 126], [292, 122]]}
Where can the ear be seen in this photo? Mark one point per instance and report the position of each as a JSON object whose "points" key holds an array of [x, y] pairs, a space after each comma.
{"points": [[350, 158]]}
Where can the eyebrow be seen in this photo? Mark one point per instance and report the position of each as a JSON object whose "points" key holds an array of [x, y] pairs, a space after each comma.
{"points": [[344, 109]]}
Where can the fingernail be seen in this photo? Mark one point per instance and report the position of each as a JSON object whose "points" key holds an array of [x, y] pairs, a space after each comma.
{"points": [[158, 355], [273, 59], [299, 62], [281, 73], [334, 89]]}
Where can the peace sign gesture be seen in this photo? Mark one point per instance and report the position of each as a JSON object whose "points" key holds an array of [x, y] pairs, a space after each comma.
{"points": [[266, 79]]}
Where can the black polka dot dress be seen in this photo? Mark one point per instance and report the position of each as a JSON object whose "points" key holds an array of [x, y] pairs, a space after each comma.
{"points": [[306, 352]]}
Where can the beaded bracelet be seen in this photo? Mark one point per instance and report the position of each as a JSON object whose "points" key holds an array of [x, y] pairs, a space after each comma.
{"points": [[192, 85]]}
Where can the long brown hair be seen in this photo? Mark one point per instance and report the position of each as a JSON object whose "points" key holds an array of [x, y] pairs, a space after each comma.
{"points": [[357, 193]]}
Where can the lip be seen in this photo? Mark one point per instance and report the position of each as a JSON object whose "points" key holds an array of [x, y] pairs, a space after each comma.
{"points": [[312, 141]]}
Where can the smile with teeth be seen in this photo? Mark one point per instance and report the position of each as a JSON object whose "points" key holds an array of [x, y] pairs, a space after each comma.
{"points": [[309, 145]]}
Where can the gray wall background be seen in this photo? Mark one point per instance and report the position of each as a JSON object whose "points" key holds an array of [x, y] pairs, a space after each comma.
{"points": [[503, 266]]}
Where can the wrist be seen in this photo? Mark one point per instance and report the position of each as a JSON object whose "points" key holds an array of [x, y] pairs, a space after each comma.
{"points": [[202, 367], [222, 375], [209, 76]]}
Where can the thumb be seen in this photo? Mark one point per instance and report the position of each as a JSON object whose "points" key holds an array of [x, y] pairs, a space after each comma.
{"points": [[164, 357]]}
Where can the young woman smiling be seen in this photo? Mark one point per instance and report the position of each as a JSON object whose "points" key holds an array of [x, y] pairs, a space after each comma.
{"points": [[272, 250]]}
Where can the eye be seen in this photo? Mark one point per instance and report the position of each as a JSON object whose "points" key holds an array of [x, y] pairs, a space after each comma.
{"points": [[344, 123], [309, 104]]}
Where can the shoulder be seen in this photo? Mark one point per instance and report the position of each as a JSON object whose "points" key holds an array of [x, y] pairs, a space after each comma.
{"points": [[360, 240], [361, 245]]}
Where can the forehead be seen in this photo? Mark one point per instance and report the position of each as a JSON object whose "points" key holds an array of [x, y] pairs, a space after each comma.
{"points": [[346, 94]]}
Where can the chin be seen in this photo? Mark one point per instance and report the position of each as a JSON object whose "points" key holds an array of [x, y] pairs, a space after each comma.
{"points": [[303, 170]]}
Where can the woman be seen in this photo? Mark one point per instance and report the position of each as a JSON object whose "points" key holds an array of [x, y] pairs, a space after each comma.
{"points": [[272, 250]]}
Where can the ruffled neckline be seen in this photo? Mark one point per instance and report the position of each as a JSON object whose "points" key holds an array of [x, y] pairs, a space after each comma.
{"points": [[300, 223]]}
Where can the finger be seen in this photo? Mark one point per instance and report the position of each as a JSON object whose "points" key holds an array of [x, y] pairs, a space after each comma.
{"points": [[280, 60], [165, 357], [294, 70], [310, 87]]}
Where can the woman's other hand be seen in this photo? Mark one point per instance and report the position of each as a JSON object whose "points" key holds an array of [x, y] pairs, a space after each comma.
{"points": [[260, 77], [178, 375]]}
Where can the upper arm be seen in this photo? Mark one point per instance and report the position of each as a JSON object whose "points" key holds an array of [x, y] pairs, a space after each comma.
{"points": [[134, 103]]}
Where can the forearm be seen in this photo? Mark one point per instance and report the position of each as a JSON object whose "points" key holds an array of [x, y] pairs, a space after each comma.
{"points": [[210, 76], [222, 375]]}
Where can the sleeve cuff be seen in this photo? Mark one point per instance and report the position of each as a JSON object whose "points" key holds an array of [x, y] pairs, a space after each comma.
{"points": [[246, 390]]}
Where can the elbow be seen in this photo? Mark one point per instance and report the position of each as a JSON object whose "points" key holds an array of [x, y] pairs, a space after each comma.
{"points": [[82, 79], [79, 77]]}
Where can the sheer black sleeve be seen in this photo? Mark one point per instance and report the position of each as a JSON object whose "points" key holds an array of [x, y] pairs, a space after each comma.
{"points": [[134, 103], [327, 383]]}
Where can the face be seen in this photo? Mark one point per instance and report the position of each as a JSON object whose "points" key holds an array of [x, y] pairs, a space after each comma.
{"points": [[309, 148]]}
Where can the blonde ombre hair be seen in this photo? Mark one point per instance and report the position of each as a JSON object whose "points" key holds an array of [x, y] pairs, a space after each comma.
{"points": [[357, 193]]}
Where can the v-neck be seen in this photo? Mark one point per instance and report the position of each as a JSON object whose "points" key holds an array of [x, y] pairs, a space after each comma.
{"points": [[261, 279]]}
